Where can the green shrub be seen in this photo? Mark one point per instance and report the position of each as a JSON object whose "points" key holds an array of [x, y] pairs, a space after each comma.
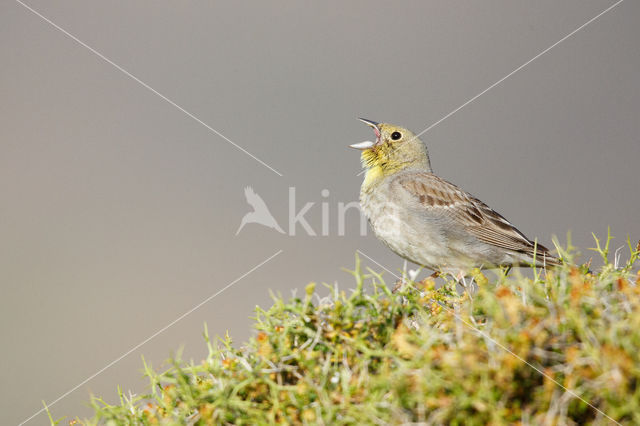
{"points": [[562, 347]]}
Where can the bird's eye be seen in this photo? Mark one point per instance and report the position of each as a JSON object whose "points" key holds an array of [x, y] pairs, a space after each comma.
{"points": [[396, 135]]}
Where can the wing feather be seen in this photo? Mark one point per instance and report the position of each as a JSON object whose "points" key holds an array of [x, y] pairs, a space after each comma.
{"points": [[440, 197]]}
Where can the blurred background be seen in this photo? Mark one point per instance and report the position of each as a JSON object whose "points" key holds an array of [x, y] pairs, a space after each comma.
{"points": [[119, 212]]}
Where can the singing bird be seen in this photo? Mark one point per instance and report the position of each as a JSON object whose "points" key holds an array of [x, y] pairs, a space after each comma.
{"points": [[260, 213], [429, 221]]}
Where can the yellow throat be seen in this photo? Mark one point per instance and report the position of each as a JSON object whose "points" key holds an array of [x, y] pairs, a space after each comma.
{"points": [[395, 149]]}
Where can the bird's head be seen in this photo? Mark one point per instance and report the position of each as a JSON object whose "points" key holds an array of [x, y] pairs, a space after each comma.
{"points": [[394, 149]]}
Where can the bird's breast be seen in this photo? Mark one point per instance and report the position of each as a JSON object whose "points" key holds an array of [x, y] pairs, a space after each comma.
{"points": [[400, 229]]}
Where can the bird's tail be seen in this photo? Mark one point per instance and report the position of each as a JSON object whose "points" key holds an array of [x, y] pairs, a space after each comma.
{"points": [[543, 256]]}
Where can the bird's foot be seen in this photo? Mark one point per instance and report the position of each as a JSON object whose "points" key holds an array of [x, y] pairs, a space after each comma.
{"points": [[466, 286], [429, 281], [421, 284]]}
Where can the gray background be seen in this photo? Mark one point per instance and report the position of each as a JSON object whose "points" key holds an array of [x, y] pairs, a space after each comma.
{"points": [[118, 212]]}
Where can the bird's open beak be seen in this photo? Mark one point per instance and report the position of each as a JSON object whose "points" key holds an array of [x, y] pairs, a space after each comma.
{"points": [[372, 124], [369, 122], [363, 145], [368, 144]]}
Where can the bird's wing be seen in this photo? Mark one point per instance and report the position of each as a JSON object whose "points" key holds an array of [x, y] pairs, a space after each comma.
{"points": [[254, 199], [441, 198]]}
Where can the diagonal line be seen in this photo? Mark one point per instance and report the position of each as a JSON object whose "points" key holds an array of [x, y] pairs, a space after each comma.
{"points": [[163, 329], [520, 67], [145, 85], [513, 72], [503, 347]]}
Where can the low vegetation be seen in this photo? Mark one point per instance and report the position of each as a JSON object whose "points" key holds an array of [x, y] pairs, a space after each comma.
{"points": [[559, 347]]}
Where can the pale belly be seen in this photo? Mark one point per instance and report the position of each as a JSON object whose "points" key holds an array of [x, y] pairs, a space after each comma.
{"points": [[425, 241], [419, 243]]}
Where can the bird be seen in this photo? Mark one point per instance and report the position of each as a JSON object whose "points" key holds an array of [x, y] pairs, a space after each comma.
{"points": [[429, 221], [260, 213]]}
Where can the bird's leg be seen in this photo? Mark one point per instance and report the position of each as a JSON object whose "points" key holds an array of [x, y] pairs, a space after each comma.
{"points": [[433, 276], [423, 282], [401, 282], [460, 279]]}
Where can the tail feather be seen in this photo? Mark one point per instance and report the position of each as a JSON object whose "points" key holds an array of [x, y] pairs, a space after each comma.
{"points": [[543, 256]]}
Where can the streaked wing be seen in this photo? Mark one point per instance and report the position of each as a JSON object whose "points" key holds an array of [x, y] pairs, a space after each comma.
{"points": [[441, 198]]}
